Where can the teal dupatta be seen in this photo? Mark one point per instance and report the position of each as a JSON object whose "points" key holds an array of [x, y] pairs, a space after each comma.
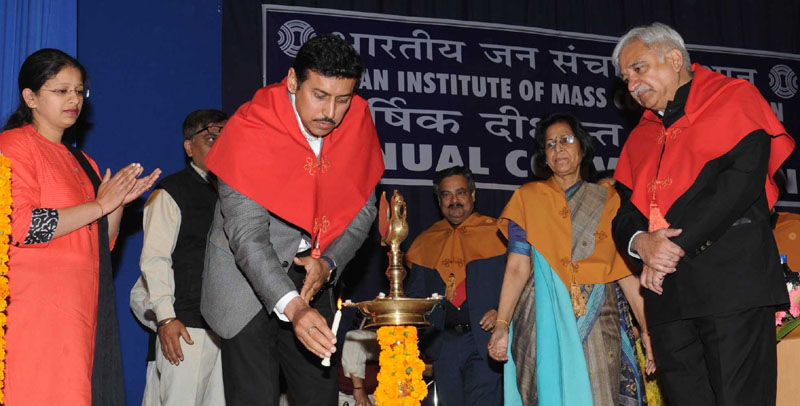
{"points": [[561, 373]]}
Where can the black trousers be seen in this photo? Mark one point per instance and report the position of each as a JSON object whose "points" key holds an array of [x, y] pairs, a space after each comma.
{"points": [[723, 360], [253, 359], [463, 377]]}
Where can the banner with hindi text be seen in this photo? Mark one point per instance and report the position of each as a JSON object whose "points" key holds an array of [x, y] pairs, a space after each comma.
{"points": [[446, 92]]}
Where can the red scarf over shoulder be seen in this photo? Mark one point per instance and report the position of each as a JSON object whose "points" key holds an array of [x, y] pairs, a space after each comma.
{"points": [[263, 154], [719, 113]]}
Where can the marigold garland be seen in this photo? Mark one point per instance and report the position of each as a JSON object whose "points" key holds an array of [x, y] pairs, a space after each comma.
{"points": [[5, 232], [400, 377]]}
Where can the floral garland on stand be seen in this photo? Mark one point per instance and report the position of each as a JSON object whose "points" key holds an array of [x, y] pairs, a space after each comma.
{"points": [[400, 378], [787, 320], [5, 232]]}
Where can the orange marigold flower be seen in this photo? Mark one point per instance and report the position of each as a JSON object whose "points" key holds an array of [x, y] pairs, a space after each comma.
{"points": [[400, 377]]}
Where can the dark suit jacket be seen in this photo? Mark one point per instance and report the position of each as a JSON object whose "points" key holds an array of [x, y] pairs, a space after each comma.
{"points": [[484, 280], [731, 260]]}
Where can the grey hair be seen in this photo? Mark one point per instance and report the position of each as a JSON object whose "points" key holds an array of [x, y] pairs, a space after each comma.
{"points": [[657, 36]]}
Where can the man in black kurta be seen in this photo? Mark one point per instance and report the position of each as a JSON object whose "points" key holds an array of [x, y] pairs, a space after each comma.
{"points": [[696, 184]]}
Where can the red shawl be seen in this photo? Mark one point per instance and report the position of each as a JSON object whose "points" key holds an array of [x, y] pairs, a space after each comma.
{"points": [[719, 113], [262, 154]]}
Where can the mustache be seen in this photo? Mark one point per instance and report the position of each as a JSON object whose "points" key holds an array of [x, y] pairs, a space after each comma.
{"points": [[641, 88], [325, 120], [454, 205]]}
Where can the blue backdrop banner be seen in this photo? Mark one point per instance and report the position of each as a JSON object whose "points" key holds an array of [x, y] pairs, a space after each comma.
{"points": [[25, 27], [446, 92]]}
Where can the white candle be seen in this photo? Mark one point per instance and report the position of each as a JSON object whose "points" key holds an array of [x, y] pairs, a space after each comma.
{"points": [[336, 319]]}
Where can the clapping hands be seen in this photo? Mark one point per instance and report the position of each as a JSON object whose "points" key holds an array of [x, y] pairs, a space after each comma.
{"points": [[124, 187]]}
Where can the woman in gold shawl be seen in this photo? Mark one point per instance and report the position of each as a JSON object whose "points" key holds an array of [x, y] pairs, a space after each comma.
{"points": [[566, 286]]}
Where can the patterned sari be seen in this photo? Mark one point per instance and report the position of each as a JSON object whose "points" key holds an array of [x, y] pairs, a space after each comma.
{"points": [[601, 334]]}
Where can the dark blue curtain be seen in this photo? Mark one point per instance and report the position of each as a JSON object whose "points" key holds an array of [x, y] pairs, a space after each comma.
{"points": [[27, 26]]}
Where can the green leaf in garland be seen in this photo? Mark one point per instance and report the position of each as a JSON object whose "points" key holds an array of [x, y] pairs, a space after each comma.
{"points": [[787, 328]]}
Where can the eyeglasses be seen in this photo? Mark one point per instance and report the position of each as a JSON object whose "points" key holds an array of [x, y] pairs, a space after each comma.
{"points": [[564, 139], [213, 129], [212, 132], [81, 93]]}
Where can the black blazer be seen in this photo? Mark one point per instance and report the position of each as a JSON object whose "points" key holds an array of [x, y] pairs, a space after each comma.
{"points": [[484, 280], [731, 260]]}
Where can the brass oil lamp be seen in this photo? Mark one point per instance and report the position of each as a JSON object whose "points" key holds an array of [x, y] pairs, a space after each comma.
{"points": [[395, 309]]}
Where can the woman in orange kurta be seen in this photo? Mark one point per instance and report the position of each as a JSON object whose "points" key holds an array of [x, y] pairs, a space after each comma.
{"points": [[55, 250]]}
